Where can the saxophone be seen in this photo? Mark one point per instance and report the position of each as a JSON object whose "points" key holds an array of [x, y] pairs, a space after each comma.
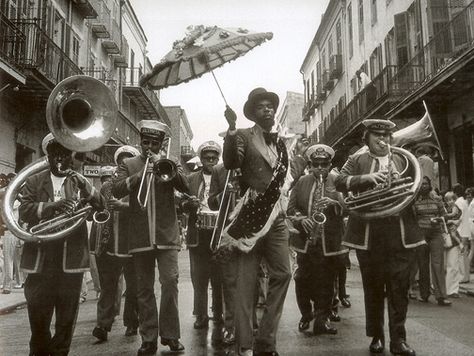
{"points": [[103, 221], [317, 214]]}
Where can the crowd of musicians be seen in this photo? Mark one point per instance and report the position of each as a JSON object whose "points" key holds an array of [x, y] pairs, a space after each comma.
{"points": [[272, 198]]}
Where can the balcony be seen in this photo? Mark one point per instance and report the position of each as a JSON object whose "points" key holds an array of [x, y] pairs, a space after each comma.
{"points": [[126, 131], [104, 76], [145, 99], [328, 83], [374, 100], [85, 8], [441, 70], [100, 25], [320, 93], [335, 66], [121, 60], [12, 48], [45, 63], [112, 44]]}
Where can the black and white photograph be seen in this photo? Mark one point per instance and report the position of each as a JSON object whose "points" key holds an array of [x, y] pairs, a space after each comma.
{"points": [[237, 178]]}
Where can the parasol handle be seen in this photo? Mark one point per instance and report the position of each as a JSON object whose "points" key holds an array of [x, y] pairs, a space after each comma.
{"points": [[222, 94]]}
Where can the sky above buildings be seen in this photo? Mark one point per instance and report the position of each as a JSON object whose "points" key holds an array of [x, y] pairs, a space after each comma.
{"points": [[274, 65]]}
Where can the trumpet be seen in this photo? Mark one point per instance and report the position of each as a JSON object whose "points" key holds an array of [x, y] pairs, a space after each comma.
{"points": [[164, 170]]}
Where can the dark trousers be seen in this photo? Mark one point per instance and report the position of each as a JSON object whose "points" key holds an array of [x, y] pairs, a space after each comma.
{"points": [[314, 281], [229, 285], [341, 276], [110, 269], [168, 325], [204, 268], [48, 293], [385, 270]]}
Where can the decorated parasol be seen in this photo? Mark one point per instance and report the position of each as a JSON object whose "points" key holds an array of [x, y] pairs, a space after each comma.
{"points": [[202, 50]]}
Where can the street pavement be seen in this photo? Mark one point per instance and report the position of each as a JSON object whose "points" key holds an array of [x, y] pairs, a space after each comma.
{"points": [[432, 330]]}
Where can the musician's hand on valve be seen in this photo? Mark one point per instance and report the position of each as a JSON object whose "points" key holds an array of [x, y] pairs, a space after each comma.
{"points": [[114, 204], [307, 225], [66, 205], [231, 117], [374, 178]]}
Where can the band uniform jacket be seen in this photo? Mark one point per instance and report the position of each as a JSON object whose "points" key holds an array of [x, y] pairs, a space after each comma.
{"points": [[358, 232], [301, 200], [196, 183], [117, 245], [38, 190], [162, 204], [247, 150]]}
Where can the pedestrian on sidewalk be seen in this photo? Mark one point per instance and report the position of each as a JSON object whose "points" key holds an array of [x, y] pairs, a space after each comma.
{"points": [[463, 201], [452, 254]]}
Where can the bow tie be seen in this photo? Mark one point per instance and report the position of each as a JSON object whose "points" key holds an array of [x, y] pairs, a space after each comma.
{"points": [[270, 137]]}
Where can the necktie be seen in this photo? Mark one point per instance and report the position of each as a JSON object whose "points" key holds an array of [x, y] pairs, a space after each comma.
{"points": [[270, 137]]}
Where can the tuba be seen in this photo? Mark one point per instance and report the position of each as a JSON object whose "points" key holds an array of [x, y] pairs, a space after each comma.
{"points": [[401, 188], [81, 114]]}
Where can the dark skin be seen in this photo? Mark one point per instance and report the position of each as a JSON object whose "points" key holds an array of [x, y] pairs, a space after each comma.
{"points": [[208, 159], [60, 162], [151, 146], [318, 167], [263, 115], [376, 147]]}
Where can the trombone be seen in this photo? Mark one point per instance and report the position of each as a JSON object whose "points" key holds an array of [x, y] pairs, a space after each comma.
{"points": [[164, 170]]}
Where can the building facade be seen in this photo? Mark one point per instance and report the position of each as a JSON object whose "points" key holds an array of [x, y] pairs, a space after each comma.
{"points": [[45, 41], [289, 117], [407, 52]]}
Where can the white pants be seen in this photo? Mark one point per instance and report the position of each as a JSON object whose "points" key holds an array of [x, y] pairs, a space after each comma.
{"points": [[453, 260], [11, 260], [465, 262]]}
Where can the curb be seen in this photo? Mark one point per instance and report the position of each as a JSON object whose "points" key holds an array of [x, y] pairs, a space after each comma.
{"points": [[12, 307]]}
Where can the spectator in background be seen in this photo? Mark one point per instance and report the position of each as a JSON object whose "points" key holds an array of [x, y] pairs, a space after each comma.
{"points": [[423, 154], [463, 202], [429, 211], [452, 255]]}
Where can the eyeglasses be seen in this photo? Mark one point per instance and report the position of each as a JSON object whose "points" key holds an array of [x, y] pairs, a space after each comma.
{"points": [[152, 142], [320, 165], [210, 158]]}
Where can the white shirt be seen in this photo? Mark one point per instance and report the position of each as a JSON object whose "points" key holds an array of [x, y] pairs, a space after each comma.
{"points": [[58, 189], [207, 185], [464, 228]]}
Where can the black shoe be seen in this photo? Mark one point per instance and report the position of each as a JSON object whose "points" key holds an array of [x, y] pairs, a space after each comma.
{"points": [[444, 302], [173, 344], [345, 303], [324, 328], [334, 316], [303, 325], [100, 333], [131, 330], [147, 348], [229, 337], [266, 353], [201, 322], [377, 345], [401, 348]]}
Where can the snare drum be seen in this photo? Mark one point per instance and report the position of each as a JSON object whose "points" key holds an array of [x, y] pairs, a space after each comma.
{"points": [[207, 220]]}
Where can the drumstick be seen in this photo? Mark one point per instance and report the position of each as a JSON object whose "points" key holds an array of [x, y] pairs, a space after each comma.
{"points": [[190, 197]]}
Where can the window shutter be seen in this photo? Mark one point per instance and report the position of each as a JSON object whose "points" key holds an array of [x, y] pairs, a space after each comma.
{"points": [[438, 16], [401, 38]]}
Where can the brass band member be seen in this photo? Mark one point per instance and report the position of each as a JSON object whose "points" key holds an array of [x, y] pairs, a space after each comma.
{"points": [[384, 246], [263, 159], [109, 243], [153, 236], [55, 268], [310, 200], [203, 266]]}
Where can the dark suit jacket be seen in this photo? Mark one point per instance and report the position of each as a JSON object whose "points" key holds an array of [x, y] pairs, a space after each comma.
{"points": [[218, 180], [247, 150], [301, 200], [358, 233], [196, 181], [166, 232], [37, 194]]}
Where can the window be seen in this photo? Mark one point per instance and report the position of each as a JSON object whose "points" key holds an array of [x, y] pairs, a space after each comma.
{"points": [[402, 38], [75, 49], [361, 21], [373, 11], [132, 65], [349, 29], [338, 38], [390, 51], [312, 84], [330, 47]]}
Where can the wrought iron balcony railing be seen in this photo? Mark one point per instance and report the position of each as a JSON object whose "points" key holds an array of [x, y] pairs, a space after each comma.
{"points": [[43, 55], [12, 43], [103, 75]]}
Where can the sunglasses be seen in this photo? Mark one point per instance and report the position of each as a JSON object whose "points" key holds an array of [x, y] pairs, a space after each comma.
{"points": [[320, 165]]}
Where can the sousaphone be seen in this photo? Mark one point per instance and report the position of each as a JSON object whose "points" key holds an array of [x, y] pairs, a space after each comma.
{"points": [[81, 113]]}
